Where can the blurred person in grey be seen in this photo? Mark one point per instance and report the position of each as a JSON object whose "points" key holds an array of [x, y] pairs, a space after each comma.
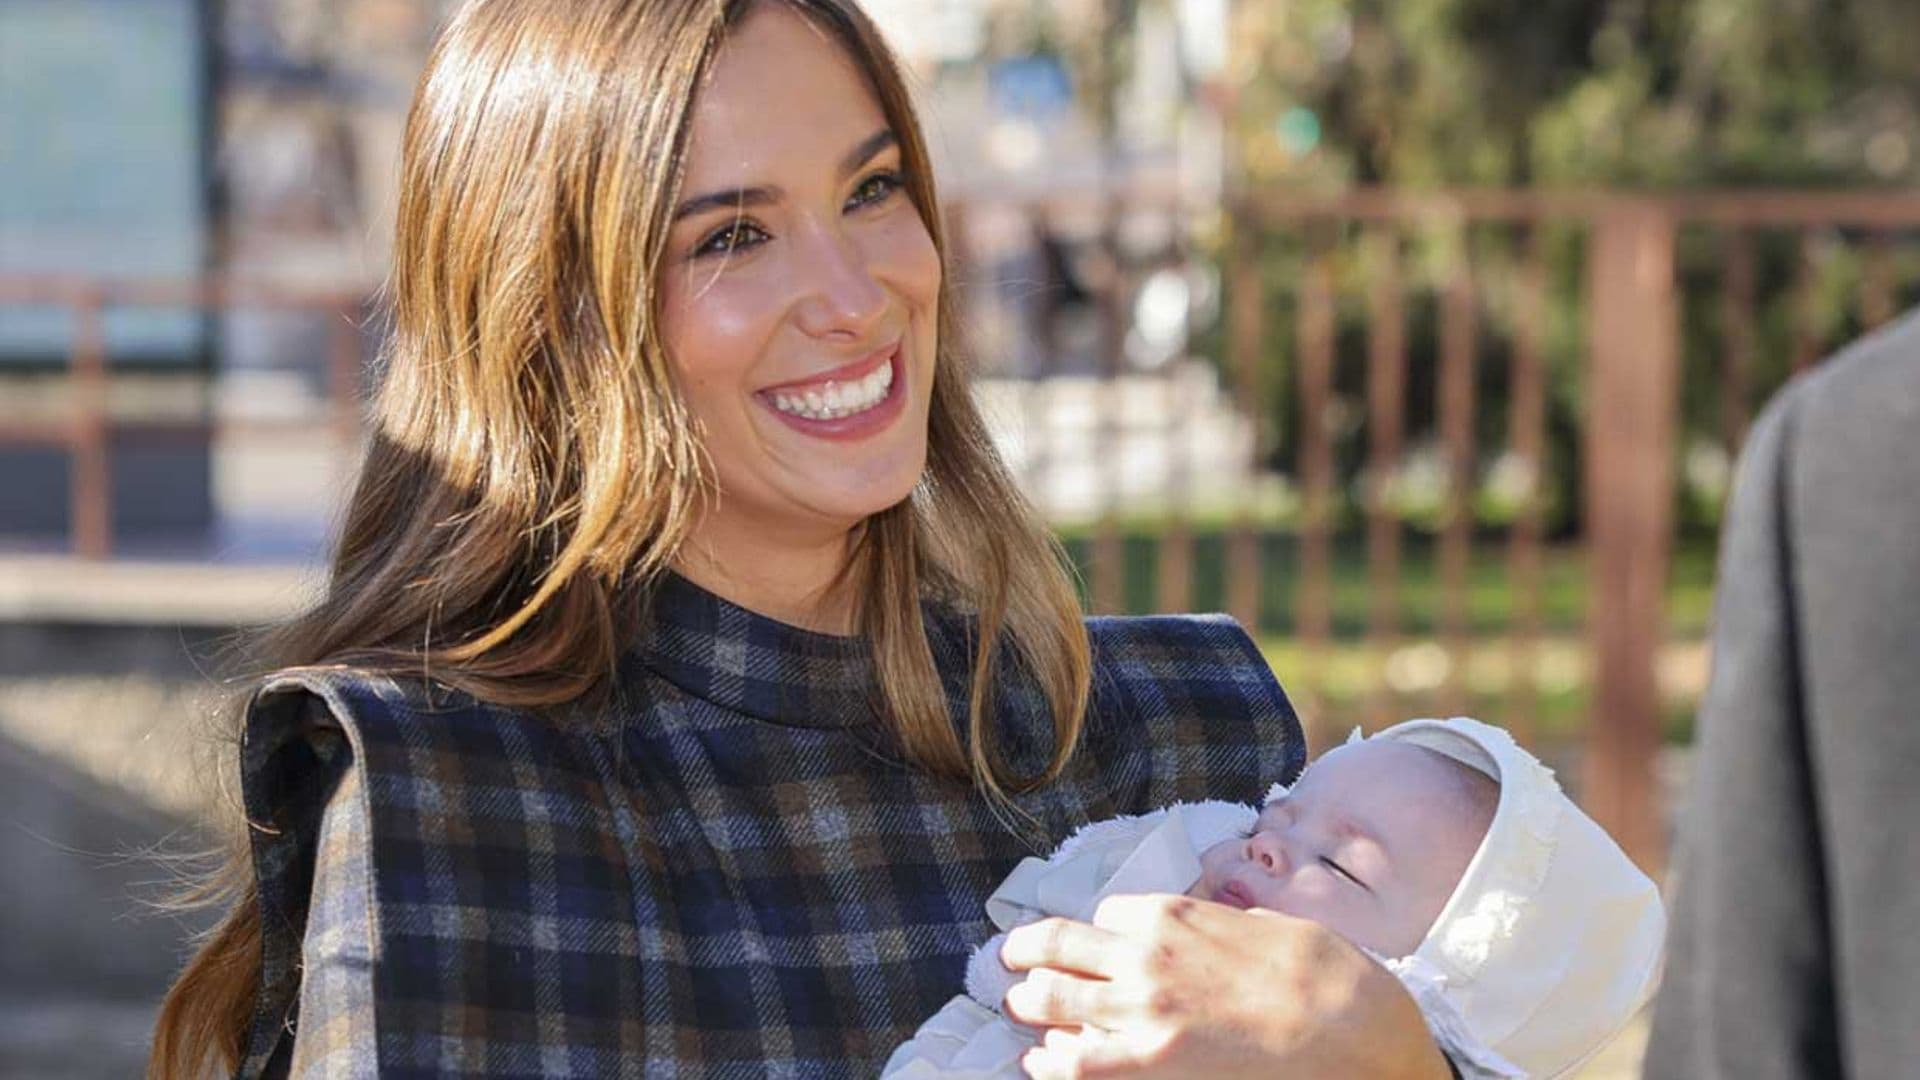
{"points": [[1793, 951]]}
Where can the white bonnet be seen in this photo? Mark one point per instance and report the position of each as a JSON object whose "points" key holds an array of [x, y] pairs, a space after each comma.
{"points": [[1552, 940]]}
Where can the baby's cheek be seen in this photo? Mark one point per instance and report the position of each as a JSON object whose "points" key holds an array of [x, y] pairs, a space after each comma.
{"points": [[1212, 862]]}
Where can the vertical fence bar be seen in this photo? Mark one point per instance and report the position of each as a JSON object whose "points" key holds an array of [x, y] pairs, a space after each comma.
{"points": [[1036, 416], [90, 470], [1173, 564], [1876, 281], [1246, 336], [1633, 396], [1526, 426], [1386, 425], [1313, 612], [343, 379], [1806, 304], [1736, 320], [1459, 345], [1110, 430]]}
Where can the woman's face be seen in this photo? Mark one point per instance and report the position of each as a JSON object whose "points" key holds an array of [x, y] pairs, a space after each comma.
{"points": [[799, 290]]}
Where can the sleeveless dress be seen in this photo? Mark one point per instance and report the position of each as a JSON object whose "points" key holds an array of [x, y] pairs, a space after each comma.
{"points": [[725, 870]]}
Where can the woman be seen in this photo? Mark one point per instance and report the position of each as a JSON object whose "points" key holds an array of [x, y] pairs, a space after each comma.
{"points": [[690, 669]]}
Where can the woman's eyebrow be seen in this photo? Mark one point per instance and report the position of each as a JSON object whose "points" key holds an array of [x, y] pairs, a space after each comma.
{"points": [[762, 195], [867, 150], [731, 199]]}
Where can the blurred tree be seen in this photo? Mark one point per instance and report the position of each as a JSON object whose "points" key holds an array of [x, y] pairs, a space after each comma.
{"points": [[1634, 94], [1575, 92]]}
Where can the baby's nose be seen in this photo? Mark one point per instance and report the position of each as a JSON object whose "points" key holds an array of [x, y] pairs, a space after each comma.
{"points": [[1265, 850]]}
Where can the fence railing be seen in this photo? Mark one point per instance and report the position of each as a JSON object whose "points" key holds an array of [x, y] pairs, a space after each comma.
{"points": [[1348, 424], [89, 428], [1614, 288]]}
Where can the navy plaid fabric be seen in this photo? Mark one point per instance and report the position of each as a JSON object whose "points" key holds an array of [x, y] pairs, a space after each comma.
{"points": [[729, 872]]}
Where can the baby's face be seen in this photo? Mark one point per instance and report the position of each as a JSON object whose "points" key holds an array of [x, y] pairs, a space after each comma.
{"points": [[1370, 843]]}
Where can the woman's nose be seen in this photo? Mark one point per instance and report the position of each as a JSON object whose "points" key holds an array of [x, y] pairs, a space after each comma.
{"points": [[843, 297], [1264, 849]]}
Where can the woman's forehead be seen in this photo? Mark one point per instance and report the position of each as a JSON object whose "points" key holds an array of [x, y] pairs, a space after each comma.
{"points": [[782, 90]]}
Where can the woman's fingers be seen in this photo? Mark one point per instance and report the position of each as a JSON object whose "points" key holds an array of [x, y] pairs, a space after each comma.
{"points": [[1065, 945], [1076, 1056], [1139, 916], [1048, 998]]}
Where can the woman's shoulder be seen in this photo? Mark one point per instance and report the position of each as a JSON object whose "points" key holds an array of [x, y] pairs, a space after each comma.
{"points": [[370, 708], [1187, 708], [1184, 660], [304, 725], [374, 704], [1197, 640]]}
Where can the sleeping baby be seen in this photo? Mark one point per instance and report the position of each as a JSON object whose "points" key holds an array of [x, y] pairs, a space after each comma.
{"points": [[1524, 934]]}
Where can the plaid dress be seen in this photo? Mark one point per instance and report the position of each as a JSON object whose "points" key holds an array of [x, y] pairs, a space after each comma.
{"points": [[727, 872]]}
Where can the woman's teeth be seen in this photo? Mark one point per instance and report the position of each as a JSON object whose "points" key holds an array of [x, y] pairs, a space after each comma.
{"points": [[836, 400]]}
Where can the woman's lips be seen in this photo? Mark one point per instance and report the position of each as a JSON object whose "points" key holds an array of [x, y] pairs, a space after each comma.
{"points": [[859, 425], [845, 373]]}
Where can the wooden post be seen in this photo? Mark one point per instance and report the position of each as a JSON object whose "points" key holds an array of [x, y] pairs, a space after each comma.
{"points": [[1111, 431], [1737, 321], [1173, 563], [343, 380], [1633, 393], [1246, 332], [1386, 425], [1313, 576], [1527, 439], [1809, 336], [90, 472], [1459, 378], [1876, 281]]}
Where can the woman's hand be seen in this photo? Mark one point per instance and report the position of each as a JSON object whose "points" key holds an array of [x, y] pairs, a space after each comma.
{"points": [[1173, 986]]}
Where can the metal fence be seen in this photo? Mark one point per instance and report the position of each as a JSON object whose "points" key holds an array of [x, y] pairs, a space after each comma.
{"points": [[1233, 408], [1573, 351]]}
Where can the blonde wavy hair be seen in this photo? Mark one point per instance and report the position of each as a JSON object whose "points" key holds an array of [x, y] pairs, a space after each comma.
{"points": [[531, 468]]}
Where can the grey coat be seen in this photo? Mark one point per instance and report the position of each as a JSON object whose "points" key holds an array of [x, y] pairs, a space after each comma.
{"points": [[1796, 942]]}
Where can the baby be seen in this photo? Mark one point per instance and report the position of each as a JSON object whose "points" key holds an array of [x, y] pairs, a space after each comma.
{"points": [[1524, 934]]}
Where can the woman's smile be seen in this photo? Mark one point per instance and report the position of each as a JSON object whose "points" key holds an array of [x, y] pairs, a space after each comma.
{"points": [[852, 401]]}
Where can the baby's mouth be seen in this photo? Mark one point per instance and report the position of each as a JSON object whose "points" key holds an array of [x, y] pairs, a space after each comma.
{"points": [[1233, 894]]}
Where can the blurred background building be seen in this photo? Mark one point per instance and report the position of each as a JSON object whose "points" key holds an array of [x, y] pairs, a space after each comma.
{"points": [[1421, 336]]}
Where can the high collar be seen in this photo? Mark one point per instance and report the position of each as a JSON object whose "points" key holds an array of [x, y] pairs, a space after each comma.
{"points": [[746, 662]]}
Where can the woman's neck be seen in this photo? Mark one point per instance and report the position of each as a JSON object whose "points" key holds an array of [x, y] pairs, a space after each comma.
{"points": [[798, 583]]}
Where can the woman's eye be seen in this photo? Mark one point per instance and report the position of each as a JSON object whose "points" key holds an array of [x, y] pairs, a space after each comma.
{"points": [[734, 237], [874, 189]]}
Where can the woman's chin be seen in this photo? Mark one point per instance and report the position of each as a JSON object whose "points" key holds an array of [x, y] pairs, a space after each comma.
{"points": [[851, 500]]}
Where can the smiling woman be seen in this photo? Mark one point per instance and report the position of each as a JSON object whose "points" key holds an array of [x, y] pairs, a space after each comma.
{"points": [[800, 303], [689, 668]]}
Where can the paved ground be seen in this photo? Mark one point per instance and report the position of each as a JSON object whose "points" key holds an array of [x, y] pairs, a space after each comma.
{"points": [[85, 958]]}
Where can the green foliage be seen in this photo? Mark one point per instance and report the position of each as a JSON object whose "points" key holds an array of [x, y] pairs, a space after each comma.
{"points": [[1653, 93], [1491, 600]]}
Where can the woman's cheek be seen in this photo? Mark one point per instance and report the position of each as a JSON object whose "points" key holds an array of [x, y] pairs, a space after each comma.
{"points": [[717, 327], [903, 250]]}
